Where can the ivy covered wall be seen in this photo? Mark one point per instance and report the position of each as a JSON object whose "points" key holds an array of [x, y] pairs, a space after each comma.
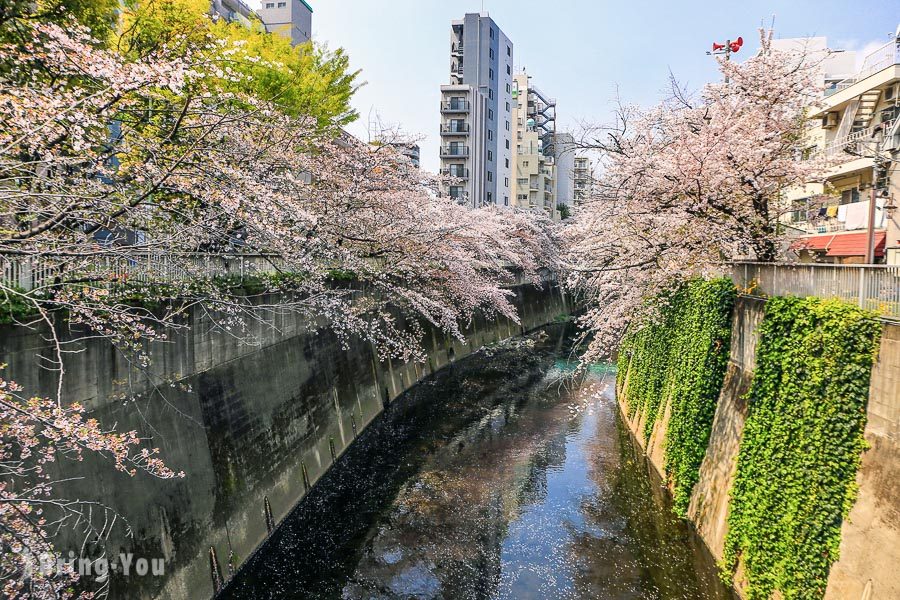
{"points": [[680, 359], [801, 446]]}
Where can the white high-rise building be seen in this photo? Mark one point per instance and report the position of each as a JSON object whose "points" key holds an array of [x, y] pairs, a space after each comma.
{"points": [[476, 113]]}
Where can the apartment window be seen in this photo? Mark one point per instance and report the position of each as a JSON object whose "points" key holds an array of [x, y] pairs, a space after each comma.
{"points": [[492, 33], [525, 164], [506, 181], [507, 88], [507, 144], [491, 114], [851, 195], [490, 175], [508, 51], [456, 191], [507, 163], [491, 94], [505, 200], [270, 5], [490, 155], [507, 107], [490, 134], [523, 196], [522, 181], [282, 4], [508, 70], [507, 125], [492, 54], [491, 74]]}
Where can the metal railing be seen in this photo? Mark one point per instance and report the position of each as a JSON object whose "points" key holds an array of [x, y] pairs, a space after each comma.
{"points": [[451, 172], [454, 128], [876, 61], [455, 151], [852, 142], [34, 272], [457, 106], [872, 287]]}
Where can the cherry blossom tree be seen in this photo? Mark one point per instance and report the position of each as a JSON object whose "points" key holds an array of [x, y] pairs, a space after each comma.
{"points": [[689, 184], [123, 177]]}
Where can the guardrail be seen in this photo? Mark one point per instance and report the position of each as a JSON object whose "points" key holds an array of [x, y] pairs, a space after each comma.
{"points": [[872, 287], [34, 272]]}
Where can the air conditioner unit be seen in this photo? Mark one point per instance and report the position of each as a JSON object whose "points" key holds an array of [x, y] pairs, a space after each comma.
{"points": [[830, 120]]}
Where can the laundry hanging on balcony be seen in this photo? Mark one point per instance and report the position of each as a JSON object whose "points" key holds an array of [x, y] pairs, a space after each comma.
{"points": [[842, 213]]}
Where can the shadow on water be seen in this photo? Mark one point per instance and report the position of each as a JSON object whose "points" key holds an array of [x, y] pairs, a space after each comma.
{"points": [[490, 480]]}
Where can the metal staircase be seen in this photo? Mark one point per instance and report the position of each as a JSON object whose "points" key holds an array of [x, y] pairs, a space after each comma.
{"points": [[867, 103]]}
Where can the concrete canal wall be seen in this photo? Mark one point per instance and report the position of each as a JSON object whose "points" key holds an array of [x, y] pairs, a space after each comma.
{"points": [[870, 537], [253, 426]]}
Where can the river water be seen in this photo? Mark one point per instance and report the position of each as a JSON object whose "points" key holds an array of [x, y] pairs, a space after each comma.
{"points": [[498, 478]]}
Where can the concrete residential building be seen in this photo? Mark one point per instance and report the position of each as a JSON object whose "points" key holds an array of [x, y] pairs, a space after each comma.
{"points": [[534, 117], [859, 117], [476, 112], [289, 18], [583, 176], [564, 149]]}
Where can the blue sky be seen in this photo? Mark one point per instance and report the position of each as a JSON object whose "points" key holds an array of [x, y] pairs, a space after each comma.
{"points": [[578, 51]]}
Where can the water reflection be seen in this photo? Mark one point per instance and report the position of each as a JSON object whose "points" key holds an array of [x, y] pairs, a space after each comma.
{"points": [[495, 481]]}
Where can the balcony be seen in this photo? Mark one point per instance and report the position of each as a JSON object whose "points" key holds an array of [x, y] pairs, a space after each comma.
{"points": [[458, 173], [882, 58], [459, 106], [456, 49], [855, 143], [454, 129], [452, 151]]}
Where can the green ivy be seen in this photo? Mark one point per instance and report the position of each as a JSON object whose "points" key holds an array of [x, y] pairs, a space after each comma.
{"points": [[680, 359], [801, 446]]}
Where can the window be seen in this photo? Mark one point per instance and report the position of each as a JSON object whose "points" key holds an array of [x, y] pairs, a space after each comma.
{"points": [[851, 195], [508, 70], [270, 5], [490, 156], [491, 74], [490, 175], [522, 181], [506, 181], [490, 198], [282, 4], [507, 107], [524, 163], [507, 165], [507, 88], [491, 53], [491, 94], [490, 134], [456, 192], [507, 144], [505, 200], [507, 125], [523, 196], [508, 51], [492, 33], [491, 114]]}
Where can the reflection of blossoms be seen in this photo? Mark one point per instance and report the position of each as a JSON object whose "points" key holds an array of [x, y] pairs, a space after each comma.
{"points": [[689, 184]]}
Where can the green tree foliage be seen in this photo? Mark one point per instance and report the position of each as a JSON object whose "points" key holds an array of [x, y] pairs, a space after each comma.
{"points": [[98, 15], [307, 80], [680, 359], [801, 446]]}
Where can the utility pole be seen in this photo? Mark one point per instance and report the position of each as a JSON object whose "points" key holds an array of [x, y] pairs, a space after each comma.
{"points": [[878, 135], [726, 49]]}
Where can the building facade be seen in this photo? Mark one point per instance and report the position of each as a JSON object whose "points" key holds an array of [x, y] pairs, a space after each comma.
{"points": [[476, 113], [583, 177], [534, 118], [289, 18], [857, 125], [564, 149]]}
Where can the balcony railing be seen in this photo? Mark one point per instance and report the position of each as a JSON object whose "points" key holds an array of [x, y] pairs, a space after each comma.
{"points": [[458, 173], [855, 143], [454, 151], [880, 59], [458, 106], [454, 128], [872, 287]]}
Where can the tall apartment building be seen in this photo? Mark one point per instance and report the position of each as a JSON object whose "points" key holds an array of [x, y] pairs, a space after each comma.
{"points": [[289, 18], [564, 149], [476, 113], [858, 125], [583, 179], [534, 118]]}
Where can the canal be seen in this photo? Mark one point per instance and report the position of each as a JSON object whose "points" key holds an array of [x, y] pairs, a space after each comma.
{"points": [[497, 478]]}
